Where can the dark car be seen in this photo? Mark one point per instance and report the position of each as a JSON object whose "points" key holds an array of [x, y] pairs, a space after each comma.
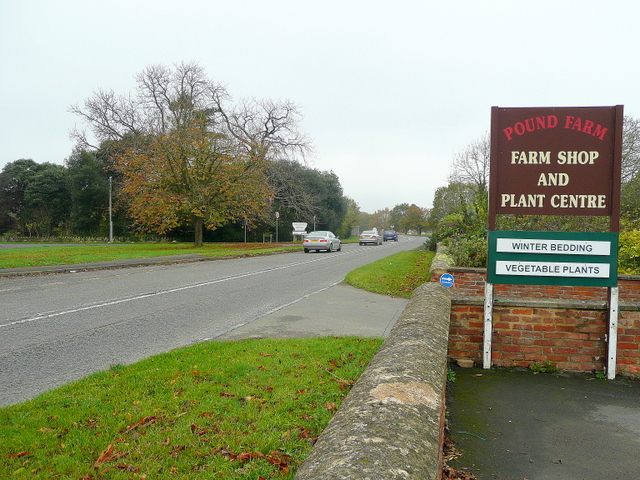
{"points": [[390, 235]]}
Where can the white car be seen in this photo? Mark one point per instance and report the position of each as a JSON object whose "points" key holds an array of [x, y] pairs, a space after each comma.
{"points": [[370, 237], [322, 240]]}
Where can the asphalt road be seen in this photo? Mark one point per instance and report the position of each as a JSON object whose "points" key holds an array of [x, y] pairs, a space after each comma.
{"points": [[58, 328]]}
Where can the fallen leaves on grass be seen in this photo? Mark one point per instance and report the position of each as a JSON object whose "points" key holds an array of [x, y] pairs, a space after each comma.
{"points": [[279, 459], [108, 456], [18, 455], [143, 422]]}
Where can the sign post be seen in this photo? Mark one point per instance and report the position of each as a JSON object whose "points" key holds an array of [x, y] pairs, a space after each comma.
{"points": [[555, 161]]}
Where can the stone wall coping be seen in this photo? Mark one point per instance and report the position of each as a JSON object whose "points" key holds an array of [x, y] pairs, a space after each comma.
{"points": [[545, 303], [391, 424]]}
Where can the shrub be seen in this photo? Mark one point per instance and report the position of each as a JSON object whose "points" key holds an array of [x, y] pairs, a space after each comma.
{"points": [[469, 251], [629, 253]]}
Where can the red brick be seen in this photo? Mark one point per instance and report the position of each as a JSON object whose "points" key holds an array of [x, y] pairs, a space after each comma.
{"points": [[626, 361], [536, 358], [629, 353], [581, 358], [578, 336], [511, 356], [546, 328], [594, 352], [510, 348], [566, 350], [467, 331], [530, 350], [565, 328], [558, 358], [556, 335]]}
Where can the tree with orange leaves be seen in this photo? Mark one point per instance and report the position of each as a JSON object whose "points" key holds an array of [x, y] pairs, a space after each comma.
{"points": [[185, 155]]}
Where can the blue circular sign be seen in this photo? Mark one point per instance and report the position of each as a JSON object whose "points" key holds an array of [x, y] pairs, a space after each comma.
{"points": [[446, 279]]}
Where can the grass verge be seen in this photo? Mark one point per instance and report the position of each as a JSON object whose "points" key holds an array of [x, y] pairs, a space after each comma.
{"points": [[397, 275], [247, 409], [69, 255]]}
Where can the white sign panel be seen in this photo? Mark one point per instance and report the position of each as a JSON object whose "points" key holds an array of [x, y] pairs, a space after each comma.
{"points": [[299, 226], [553, 269], [563, 247]]}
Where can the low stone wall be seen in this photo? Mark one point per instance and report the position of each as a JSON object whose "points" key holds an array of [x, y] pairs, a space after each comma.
{"points": [[390, 426]]}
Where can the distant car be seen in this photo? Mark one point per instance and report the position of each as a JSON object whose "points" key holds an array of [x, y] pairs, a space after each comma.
{"points": [[321, 241], [370, 237], [390, 235]]}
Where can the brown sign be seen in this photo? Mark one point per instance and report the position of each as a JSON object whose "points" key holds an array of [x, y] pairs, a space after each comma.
{"points": [[555, 161]]}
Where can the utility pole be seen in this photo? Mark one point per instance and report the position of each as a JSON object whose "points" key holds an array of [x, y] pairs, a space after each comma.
{"points": [[110, 213]]}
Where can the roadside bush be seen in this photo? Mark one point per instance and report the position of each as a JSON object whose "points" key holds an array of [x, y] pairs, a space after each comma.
{"points": [[465, 236], [629, 253], [470, 251]]}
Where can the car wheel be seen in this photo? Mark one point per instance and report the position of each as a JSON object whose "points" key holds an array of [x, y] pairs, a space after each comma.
{"points": [[339, 247], [330, 249], [306, 250]]}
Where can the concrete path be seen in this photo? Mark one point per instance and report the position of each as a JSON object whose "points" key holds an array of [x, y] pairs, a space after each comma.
{"points": [[341, 310], [516, 425]]}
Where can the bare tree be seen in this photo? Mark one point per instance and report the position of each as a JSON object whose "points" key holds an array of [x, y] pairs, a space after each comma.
{"points": [[186, 112], [630, 148], [471, 166], [164, 100], [267, 129]]}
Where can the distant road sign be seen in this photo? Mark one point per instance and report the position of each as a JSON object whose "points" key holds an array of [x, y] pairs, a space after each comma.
{"points": [[447, 280], [299, 226]]}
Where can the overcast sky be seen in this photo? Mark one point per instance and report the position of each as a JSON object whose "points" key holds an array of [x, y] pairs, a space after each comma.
{"points": [[389, 90]]}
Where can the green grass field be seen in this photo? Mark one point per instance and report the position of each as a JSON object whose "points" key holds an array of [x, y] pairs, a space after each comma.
{"points": [[397, 275], [247, 409], [87, 253]]}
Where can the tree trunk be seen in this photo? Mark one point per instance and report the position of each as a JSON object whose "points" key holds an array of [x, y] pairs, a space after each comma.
{"points": [[198, 228]]}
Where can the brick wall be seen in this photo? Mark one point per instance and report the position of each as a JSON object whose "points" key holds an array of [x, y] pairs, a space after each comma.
{"points": [[560, 324]]}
